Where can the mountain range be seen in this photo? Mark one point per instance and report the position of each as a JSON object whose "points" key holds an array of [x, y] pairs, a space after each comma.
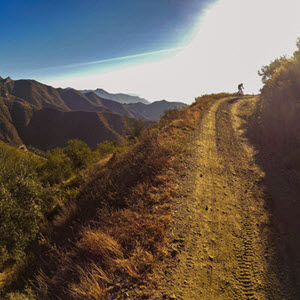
{"points": [[44, 117], [121, 98]]}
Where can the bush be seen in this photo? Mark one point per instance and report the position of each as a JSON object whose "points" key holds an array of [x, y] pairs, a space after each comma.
{"points": [[79, 153], [136, 130], [170, 113], [23, 201], [58, 166], [267, 72], [62, 163], [279, 108], [107, 147]]}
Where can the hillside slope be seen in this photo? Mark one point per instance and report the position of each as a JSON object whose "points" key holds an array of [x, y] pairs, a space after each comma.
{"points": [[186, 213], [275, 130], [114, 220], [24, 103], [154, 110], [47, 128], [35, 114], [121, 98], [43, 96], [42, 131]]}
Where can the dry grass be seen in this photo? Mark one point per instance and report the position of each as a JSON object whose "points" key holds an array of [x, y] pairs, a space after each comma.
{"points": [[65, 214], [114, 235], [91, 284], [100, 245]]}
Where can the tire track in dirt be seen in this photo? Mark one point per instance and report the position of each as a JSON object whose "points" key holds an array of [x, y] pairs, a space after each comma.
{"points": [[229, 146], [221, 220]]}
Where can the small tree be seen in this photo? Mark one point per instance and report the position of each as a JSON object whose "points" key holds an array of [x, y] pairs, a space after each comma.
{"points": [[107, 148], [79, 153], [297, 52], [58, 166], [267, 72], [136, 129]]}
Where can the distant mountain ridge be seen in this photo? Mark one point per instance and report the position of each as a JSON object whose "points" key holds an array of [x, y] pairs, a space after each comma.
{"points": [[154, 110], [32, 113], [39, 115], [121, 98]]}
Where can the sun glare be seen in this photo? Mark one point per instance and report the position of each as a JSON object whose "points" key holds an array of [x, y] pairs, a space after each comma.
{"points": [[234, 39]]}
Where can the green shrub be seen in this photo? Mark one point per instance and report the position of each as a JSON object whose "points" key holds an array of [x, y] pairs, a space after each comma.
{"points": [[58, 166], [267, 72], [136, 130], [170, 112], [79, 153], [23, 202], [279, 108], [107, 147]]}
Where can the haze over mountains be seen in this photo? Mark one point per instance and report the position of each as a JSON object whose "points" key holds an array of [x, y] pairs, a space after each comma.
{"points": [[122, 98], [39, 115]]}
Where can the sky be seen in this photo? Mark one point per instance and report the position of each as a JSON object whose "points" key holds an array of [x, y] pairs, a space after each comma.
{"points": [[159, 49]]}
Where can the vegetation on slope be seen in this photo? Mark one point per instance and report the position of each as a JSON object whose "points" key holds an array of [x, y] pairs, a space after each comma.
{"points": [[31, 190], [275, 129], [24, 200], [279, 107], [110, 231]]}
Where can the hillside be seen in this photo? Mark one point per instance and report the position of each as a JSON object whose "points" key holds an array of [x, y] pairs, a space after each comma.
{"points": [[43, 131], [32, 112], [112, 106], [128, 195], [275, 130], [190, 209], [47, 128], [43, 96], [121, 98], [154, 110], [12, 109]]}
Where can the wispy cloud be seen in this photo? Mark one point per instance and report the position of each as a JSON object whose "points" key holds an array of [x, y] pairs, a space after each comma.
{"points": [[114, 59]]}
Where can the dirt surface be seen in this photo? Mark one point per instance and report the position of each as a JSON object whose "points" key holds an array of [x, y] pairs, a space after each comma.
{"points": [[223, 244]]}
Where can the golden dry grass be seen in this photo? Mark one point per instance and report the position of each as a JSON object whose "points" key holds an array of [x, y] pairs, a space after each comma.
{"points": [[114, 234], [91, 284]]}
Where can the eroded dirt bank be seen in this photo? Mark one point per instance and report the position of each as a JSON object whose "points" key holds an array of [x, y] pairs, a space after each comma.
{"points": [[223, 242]]}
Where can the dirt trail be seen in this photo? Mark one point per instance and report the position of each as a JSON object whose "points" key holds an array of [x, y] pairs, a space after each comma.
{"points": [[222, 241]]}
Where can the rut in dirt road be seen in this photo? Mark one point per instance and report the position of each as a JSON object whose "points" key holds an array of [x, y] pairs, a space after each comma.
{"points": [[222, 220], [230, 147]]}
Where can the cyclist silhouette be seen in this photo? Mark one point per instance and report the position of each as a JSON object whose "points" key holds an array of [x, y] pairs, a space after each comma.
{"points": [[240, 87]]}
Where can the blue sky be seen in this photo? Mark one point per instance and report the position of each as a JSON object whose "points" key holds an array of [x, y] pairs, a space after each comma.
{"points": [[39, 38], [158, 49]]}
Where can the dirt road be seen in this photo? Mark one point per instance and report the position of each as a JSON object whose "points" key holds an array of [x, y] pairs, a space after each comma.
{"points": [[222, 239]]}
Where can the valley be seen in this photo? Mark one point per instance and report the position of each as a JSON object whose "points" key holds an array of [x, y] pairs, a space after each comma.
{"points": [[41, 116]]}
